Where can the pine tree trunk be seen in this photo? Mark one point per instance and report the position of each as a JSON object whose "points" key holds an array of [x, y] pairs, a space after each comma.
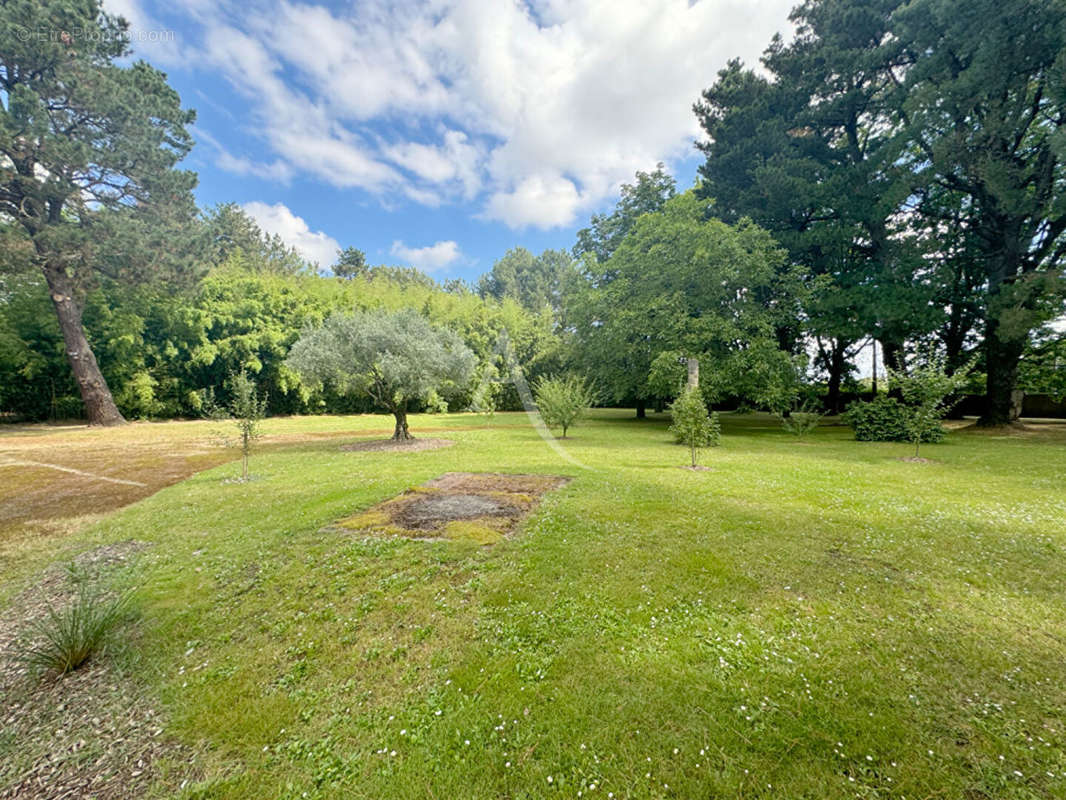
{"points": [[100, 408], [401, 433]]}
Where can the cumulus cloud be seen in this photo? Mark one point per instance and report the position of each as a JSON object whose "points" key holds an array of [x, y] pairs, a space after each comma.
{"points": [[535, 110], [316, 246], [430, 258]]}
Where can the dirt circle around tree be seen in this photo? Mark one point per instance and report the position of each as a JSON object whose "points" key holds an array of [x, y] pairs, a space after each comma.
{"points": [[414, 445]]}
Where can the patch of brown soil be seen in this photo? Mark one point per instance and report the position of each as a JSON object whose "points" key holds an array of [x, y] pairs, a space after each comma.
{"points": [[397, 445], [918, 460], [478, 507], [697, 468], [92, 733]]}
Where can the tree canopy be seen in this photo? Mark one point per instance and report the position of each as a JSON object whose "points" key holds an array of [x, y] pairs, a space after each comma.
{"points": [[393, 357]]}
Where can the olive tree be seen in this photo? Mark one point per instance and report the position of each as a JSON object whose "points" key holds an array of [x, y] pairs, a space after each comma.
{"points": [[392, 357]]}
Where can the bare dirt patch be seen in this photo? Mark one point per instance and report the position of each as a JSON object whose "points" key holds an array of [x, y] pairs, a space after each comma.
{"points": [[697, 468], [463, 506], [397, 446], [917, 460], [91, 733]]}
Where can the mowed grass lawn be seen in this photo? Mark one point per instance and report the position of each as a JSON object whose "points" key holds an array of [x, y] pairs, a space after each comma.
{"points": [[812, 619]]}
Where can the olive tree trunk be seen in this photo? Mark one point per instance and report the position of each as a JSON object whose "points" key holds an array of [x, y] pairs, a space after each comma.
{"points": [[401, 433]]}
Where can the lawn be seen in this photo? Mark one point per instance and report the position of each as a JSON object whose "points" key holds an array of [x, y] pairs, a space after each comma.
{"points": [[807, 619]]}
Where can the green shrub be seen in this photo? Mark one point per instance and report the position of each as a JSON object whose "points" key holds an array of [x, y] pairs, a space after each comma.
{"points": [[886, 419], [563, 401], [66, 638], [692, 425], [801, 423]]}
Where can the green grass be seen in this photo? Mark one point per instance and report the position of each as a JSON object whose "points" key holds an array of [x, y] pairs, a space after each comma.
{"points": [[805, 620]]}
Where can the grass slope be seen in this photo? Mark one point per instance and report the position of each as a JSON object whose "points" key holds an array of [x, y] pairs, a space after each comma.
{"points": [[816, 620]]}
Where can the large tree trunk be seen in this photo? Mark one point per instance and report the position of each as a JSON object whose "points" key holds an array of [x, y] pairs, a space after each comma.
{"points": [[1003, 401], [642, 411], [100, 408], [837, 364], [401, 433]]}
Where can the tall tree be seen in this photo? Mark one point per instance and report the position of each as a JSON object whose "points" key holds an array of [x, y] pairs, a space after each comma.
{"points": [[351, 262], [535, 282], [648, 194], [87, 172], [985, 99], [682, 282], [809, 152]]}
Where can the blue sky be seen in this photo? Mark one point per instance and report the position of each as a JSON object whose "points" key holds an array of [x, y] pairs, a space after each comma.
{"points": [[440, 133]]}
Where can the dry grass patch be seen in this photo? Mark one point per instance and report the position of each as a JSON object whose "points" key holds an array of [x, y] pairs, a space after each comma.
{"points": [[460, 506]]}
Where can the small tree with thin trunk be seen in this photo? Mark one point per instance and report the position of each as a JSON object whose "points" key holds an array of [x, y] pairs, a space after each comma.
{"points": [[692, 425], [392, 357], [926, 389], [247, 409], [562, 401]]}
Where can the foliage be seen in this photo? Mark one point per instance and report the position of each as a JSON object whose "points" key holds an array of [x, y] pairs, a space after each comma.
{"points": [[801, 423], [90, 186], [247, 410], [1043, 368], [692, 426], [909, 158], [351, 263], [647, 195], [563, 401], [886, 419], [926, 387], [761, 376], [667, 375], [395, 358], [535, 282], [161, 348], [679, 282], [67, 637]]}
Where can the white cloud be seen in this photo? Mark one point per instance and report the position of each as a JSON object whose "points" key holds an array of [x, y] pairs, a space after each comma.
{"points": [[315, 246], [536, 110], [278, 171], [430, 258]]}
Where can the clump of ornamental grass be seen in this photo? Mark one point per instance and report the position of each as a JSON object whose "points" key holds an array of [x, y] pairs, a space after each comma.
{"points": [[67, 637]]}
